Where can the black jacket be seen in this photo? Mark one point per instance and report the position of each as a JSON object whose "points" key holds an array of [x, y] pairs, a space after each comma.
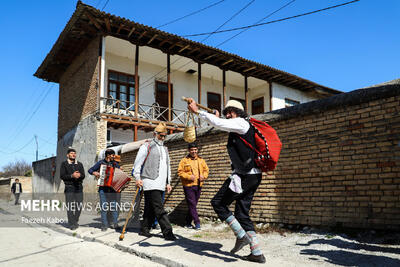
{"points": [[66, 170], [14, 186], [242, 157]]}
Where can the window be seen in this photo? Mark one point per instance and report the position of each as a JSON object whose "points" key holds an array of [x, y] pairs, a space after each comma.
{"points": [[121, 86], [242, 101], [108, 136], [290, 102], [257, 106], [214, 101], [162, 99]]}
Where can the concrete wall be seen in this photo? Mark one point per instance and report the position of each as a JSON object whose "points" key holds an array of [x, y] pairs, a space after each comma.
{"points": [[121, 136], [5, 184], [43, 176], [83, 138], [339, 165], [280, 92]]}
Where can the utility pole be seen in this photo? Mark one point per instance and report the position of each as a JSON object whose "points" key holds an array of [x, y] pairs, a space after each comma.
{"points": [[37, 148]]}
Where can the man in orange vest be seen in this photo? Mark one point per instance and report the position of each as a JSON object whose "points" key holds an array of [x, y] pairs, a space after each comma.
{"points": [[193, 170]]}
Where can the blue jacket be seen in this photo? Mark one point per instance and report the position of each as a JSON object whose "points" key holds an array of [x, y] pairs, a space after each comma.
{"points": [[96, 167]]}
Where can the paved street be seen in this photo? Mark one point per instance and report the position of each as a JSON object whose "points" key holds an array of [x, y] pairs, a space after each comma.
{"points": [[34, 245], [52, 244]]}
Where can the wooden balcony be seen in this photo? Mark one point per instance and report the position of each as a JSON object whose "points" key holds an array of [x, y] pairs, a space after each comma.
{"points": [[122, 114]]}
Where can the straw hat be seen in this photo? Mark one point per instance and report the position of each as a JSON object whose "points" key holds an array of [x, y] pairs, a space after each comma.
{"points": [[234, 104], [161, 128]]}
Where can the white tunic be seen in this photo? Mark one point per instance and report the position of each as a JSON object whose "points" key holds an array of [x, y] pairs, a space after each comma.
{"points": [[164, 173], [235, 125]]}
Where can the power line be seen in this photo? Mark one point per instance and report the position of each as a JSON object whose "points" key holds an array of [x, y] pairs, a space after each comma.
{"points": [[98, 3], [18, 150], [46, 141], [105, 5], [274, 21], [219, 27], [33, 113], [233, 16], [188, 15], [269, 15], [22, 122]]}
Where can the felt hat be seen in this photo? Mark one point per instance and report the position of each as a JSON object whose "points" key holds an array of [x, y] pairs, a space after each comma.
{"points": [[161, 128], [234, 104]]}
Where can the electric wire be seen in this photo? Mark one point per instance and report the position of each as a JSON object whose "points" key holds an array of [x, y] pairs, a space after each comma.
{"points": [[32, 114], [144, 85], [20, 149], [105, 5], [232, 17], [46, 141], [190, 14], [259, 24], [23, 122], [274, 21], [269, 15], [98, 3], [230, 38]]}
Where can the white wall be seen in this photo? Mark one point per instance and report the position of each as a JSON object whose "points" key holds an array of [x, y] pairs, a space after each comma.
{"points": [[257, 92], [184, 84], [280, 92]]}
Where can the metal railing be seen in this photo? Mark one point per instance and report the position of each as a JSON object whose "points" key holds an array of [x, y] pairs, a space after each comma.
{"points": [[153, 112]]}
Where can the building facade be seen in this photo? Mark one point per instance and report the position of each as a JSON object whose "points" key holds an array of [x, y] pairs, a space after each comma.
{"points": [[118, 79]]}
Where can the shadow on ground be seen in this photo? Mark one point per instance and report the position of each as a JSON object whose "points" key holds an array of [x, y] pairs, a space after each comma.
{"points": [[202, 248], [358, 257]]}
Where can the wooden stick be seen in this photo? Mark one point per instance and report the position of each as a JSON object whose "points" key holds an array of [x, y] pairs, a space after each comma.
{"points": [[121, 237], [199, 105]]}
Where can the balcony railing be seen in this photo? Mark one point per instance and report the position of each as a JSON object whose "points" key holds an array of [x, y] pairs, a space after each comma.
{"points": [[153, 112]]}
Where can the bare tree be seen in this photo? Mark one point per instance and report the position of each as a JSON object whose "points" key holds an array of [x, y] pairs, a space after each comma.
{"points": [[18, 167]]}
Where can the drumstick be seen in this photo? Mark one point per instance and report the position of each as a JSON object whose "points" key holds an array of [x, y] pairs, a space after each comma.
{"points": [[199, 105], [121, 237]]}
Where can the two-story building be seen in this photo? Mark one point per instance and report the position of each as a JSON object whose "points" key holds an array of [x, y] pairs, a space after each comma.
{"points": [[118, 79]]}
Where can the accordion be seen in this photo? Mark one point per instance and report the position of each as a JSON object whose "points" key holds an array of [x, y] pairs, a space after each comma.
{"points": [[112, 177]]}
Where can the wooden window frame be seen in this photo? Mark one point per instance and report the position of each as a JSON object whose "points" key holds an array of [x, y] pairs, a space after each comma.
{"points": [[166, 83], [119, 83], [252, 105], [220, 99], [291, 100]]}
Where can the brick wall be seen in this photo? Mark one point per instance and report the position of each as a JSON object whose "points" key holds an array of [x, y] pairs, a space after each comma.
{"points": [[78, 89], [339, 163]]}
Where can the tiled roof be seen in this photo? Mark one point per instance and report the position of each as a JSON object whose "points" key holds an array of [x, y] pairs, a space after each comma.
{"points": [[87, 23]]}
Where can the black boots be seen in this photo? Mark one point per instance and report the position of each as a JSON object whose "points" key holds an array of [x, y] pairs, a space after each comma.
{"points": [[145, 232], [240, 243], [169, 236], [255, 258]]}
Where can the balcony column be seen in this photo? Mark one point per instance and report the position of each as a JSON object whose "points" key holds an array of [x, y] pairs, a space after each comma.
{"points": [[136, 91], [270, 95], [169, 88], [99, 78], [199, 86], [224, 88], [102, 70], [246, 93], [199, 82]]}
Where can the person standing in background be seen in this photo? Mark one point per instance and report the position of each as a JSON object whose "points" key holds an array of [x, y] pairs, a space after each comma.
{"points": [[16, 189], [192, 170], [73, 173]]}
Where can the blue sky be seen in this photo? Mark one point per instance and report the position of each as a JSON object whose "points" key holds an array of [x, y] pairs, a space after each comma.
{"points": [[345, 48]]}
